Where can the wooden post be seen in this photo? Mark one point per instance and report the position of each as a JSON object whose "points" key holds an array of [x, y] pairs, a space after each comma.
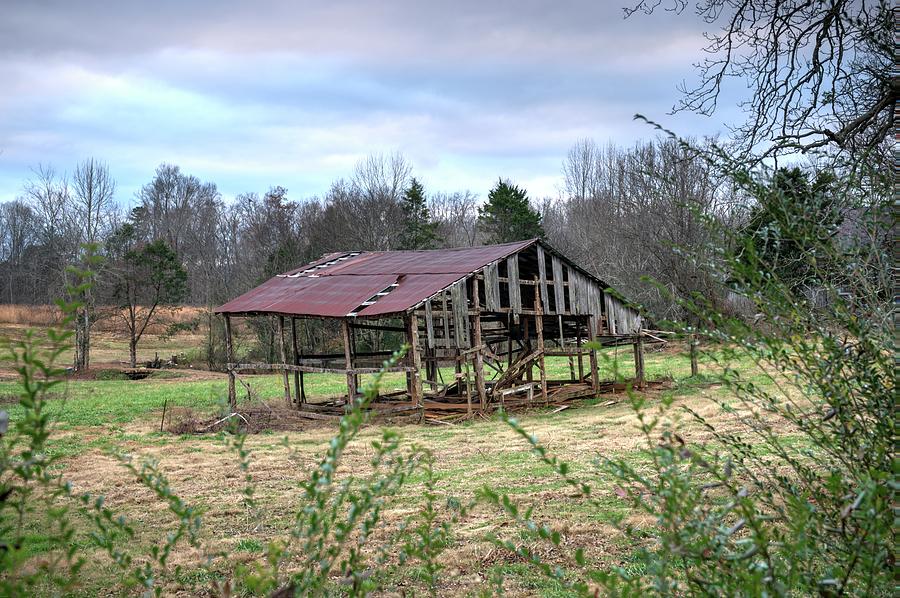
{"points": [[527, 334], [284, 372], [539, 330], [468, 386], [595, 376], [578, 343], [639, 360], [299, 391], [476, 342], [509, 338], [229, 359], [414, 358], [694, 346], [348, 361]]}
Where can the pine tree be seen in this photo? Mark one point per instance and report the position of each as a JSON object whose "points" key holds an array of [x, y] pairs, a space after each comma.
{"points": [[507, 216], [795, 201], [419, 232]]}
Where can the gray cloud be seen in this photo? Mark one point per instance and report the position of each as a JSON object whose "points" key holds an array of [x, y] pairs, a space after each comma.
{"points": [[293, 94]]}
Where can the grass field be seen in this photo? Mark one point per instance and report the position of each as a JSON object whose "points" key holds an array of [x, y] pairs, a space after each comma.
{"points": [[96, 417]]}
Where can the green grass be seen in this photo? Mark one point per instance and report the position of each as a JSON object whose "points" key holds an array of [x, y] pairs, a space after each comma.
{"points": [[99, 416], [104, 401]]}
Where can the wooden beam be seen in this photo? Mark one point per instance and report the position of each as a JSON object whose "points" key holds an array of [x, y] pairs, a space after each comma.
{"points": [[414, 359], [299, 390], [539, 330], [282, 352], [515, 291], [595, 375], [309, 369], [492, 287], [445, 321], [377, 327], [429, 325], [348, 359], [580, 358], [639, 361], [542, 277], [558, 290], [476, 341], [229, 357]]}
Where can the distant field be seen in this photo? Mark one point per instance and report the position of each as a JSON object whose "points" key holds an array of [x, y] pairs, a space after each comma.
{"points": [[109, 335]]}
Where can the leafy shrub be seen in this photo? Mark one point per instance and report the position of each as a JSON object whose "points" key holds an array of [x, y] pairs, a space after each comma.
{"points": [[797, 499]]}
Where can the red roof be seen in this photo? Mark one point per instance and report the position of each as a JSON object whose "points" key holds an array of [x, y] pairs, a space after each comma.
{"points": [[338, 284]]}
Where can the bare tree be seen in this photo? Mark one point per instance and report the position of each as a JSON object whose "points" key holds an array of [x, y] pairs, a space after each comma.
{"points": [[457, 217], [819, 72], [91, 208], [630, 214], [56, 243], [18, 235]]}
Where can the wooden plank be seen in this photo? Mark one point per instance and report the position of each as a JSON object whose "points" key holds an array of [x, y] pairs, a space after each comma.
{"points": [[460, 313], [309, 369], [429, 325], [229, 357], [515, 292], [558, 290], [542, 277], [639, 361], [299, 390], [445, 320], [476, 340], [492, 287], [610, 314], [284, 372], [539, 330], [351, 379], [595, 374], [415, 359], [574, 290]]}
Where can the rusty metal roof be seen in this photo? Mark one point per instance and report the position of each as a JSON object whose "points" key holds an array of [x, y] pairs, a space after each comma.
{"points": [[367, 283]]}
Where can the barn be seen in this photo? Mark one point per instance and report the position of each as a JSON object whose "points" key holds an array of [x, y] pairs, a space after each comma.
{"points": [[493, 312]]}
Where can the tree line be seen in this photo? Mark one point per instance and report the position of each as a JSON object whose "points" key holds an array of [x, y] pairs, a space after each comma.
{"points": [[625, 214]]}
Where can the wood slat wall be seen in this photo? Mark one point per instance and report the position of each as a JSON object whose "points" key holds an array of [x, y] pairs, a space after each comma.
{"points": [[558, 289], [515, 291], [492, 287], [585, 298]]}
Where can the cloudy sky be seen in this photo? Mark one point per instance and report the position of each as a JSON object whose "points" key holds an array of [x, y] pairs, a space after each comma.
{"points": [[254, 94]]}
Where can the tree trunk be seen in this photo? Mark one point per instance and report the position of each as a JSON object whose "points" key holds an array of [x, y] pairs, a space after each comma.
{"points": [[82, 340], [132, 351]]}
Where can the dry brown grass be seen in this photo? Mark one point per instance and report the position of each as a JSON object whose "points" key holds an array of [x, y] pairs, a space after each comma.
{"points": [[108, 320], [483, 452]]}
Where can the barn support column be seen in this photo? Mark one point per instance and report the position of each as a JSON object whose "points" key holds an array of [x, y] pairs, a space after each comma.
{"points": [[639, 360], [562, 347], [414, 358], [578, 343], [284, 372], [299, 390], [476, 343], [539, 330], [348, 361], [595, 376], [529, 375], [229, 360]]}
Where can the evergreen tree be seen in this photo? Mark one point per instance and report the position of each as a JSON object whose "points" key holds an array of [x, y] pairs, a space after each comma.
{"points": [[419, 231], [794, 202], [507, 216]]}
